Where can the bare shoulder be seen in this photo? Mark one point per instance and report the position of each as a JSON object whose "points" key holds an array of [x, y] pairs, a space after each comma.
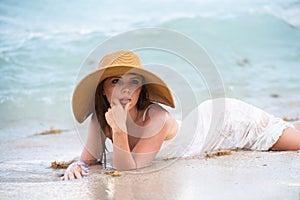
{"points": [[155, 111], [157, 115]]}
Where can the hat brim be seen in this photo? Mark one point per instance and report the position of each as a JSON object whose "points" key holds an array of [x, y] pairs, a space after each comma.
{"points": [[83, 99]]}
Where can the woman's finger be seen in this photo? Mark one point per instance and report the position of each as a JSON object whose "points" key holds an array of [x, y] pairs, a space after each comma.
{"points": [[77, 174], [84, 173], [115, 102], [71, 175], [126, 108], [65, 177]]}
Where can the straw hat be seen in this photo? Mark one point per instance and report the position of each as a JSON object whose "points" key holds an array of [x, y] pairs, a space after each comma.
{"points": [[114, 64]]}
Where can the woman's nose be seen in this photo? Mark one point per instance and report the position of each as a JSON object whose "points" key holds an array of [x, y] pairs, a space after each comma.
{"points": [[125, 90]]}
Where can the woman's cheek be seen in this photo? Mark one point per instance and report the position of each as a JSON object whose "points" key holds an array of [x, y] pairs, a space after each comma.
{"points": [[136, 95]]}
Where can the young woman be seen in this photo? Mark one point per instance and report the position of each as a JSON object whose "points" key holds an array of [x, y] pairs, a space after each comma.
{"points": [[122, 99]]}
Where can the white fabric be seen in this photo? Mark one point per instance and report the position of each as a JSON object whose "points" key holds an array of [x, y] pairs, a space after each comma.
{"points": [[224, 123]]}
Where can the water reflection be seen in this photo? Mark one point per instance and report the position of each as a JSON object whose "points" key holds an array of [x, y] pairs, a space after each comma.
{"points": [[156, 185]]}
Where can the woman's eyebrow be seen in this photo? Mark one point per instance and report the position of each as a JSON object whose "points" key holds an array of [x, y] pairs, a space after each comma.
{"points": [[136, 77], [115, 77]]}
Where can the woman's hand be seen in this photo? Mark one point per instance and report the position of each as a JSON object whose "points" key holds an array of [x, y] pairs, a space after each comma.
{"points": [[75, 171], [116, 117]]}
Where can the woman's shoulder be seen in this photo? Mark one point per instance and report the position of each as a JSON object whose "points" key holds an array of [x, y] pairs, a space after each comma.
{"points": [[154, 110], [156, 116], [156, 106]]}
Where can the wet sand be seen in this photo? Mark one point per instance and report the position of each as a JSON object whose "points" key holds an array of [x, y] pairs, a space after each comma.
{"points": [[26, 174]]}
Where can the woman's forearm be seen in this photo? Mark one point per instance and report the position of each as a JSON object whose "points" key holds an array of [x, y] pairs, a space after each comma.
{"points": [[93, 148], [122, 156], [87, 157]]}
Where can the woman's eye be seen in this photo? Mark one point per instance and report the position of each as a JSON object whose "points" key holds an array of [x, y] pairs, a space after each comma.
{"points": [[135, 82], [115, 81]]}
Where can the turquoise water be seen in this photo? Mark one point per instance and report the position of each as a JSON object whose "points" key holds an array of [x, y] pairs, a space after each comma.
{"points": [[255, 46]]}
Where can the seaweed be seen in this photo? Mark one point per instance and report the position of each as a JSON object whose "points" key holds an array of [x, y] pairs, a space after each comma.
{"points": [[113, 173], [290, 119], [50, 131], [61, 164], [218, 153], [171, 158]]}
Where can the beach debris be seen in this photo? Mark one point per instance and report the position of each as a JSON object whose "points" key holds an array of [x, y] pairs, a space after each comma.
{"points": [[192, 157], [171, 158], [242, 62], [51, 131], [61, 164], [274, 95], [290, 119], [218, 153], [113, 173], [206, 155]]}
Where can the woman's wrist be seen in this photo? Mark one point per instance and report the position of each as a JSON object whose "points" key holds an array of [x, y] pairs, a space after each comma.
{"points": [[119, 129], [82, 163], [87, 163]]}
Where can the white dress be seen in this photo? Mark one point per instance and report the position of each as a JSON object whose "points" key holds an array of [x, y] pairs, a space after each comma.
{"points": [[224, 123]]}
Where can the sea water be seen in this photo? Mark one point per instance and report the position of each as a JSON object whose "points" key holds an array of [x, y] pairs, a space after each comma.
{"points": [[254, 45]]}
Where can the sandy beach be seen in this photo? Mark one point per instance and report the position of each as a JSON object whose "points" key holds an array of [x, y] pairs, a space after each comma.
{"points": [[26, 174]]}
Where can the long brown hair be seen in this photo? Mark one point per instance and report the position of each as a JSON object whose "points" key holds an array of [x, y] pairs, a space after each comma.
{"points": [[102, 104]]}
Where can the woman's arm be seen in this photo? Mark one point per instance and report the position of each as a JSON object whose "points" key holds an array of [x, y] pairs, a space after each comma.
{"points": [[116, 118], [93, 148], [90, 153], [122, 157], [158, 124], [289, 140]]}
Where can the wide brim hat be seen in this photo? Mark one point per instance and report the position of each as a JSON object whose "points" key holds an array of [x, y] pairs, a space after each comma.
{"points": [[115, 64]]}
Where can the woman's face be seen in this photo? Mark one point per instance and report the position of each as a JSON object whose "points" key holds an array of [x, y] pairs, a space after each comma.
{"points": [[124, 89]]}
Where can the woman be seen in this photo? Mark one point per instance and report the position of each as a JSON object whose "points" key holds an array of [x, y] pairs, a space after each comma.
{"points": [[122, 98], [124, 110]]}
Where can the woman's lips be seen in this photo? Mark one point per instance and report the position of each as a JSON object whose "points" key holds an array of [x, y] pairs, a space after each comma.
{"points": [[125, 101]]}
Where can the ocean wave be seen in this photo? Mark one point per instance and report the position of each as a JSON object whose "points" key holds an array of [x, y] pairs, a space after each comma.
{"points": [[30, 25], [289, 15]]}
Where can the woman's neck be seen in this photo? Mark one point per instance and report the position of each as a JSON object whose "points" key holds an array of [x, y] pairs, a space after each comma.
{"points": [[134, 114]]}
